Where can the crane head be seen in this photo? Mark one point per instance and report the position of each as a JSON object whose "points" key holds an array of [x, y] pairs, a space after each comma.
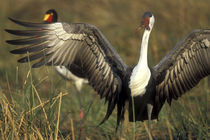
{"points": [[50, 16], [147, 21]]}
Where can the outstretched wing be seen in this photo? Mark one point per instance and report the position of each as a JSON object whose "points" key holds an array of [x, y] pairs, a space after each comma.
{"points": [[185, 65], [63, 44]]}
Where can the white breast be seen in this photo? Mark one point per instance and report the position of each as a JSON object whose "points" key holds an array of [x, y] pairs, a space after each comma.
{"points": [[139, 80]]}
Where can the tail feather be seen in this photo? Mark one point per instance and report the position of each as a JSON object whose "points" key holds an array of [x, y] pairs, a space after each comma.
{"points": [[120, 111]]}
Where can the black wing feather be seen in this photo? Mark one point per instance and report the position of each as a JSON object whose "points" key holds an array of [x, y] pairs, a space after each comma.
{"points": [[185, 65], [28, 24], [33, 48], [27, 32], [31, 40]]}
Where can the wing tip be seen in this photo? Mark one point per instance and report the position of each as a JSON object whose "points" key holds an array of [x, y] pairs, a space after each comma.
{"points": [[23, 60], [7, 30], [13, 52], [13, 20], [10, 42], [13, 32], [27, 24], [17, 51]]}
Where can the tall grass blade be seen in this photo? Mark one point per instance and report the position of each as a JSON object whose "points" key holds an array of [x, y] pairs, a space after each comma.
{"points": [[134, 120], [58, 120], [72, 129], [41, 104]]}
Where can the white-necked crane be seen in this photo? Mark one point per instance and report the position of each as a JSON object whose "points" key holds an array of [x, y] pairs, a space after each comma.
{"points": [[51, 16], [83, 46]]}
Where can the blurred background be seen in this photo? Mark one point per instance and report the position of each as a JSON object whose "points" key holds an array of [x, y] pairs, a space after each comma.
{"points": [[187, 118]]}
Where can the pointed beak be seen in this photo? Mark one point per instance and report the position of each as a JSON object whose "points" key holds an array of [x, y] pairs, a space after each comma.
{"points": [[139, 28], [46, 17]]}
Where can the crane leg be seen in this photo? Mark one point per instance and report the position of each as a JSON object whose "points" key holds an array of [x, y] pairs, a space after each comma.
{"points": [[149, 113]]}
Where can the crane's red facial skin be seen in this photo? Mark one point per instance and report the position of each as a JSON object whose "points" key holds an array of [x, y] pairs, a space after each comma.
{"points": [[144, 23], [48, 18]]}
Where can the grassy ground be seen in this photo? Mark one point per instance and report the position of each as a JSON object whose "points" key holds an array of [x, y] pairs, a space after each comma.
{"points": [[38, 104]]}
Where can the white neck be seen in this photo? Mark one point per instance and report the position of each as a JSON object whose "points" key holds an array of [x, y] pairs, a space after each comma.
{"points": [[144, 48], [141, 73]]}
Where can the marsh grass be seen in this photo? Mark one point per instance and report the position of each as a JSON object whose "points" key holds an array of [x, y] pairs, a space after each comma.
{"points": [[38, 104], [26, 114]]}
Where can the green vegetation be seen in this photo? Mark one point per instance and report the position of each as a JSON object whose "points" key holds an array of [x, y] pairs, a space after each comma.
{"points": [[38, 104]]}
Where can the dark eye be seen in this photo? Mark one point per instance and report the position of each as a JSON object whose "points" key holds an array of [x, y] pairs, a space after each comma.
{"points": [[147, 27]]}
